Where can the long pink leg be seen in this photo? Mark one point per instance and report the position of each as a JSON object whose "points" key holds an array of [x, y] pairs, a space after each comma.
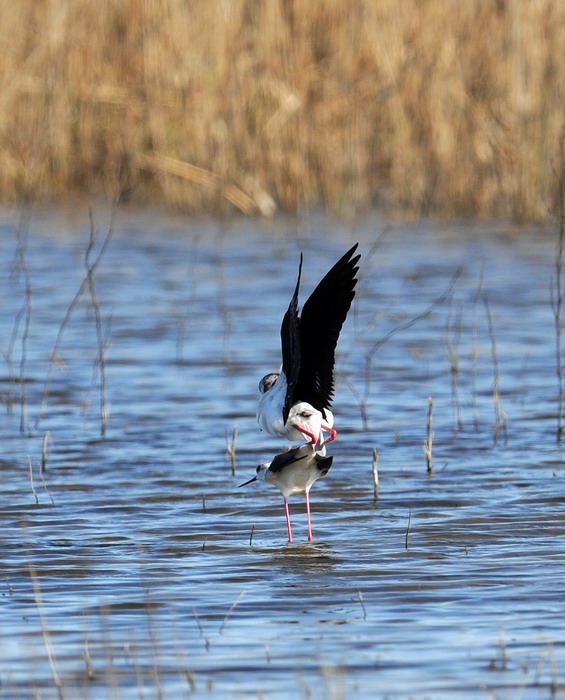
{"points": [[310, 535], [287, 513]]}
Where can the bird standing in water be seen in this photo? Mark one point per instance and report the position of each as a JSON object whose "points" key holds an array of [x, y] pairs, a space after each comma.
{"points": [[295, 402], [295, 471]]}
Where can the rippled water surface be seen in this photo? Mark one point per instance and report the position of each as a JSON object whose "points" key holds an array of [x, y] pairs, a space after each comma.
{"points": [[134, 567]]}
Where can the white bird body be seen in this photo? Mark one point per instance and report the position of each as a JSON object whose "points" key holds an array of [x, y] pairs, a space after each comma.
{"points": [[303, 419], [295, 471], [298, 475]]}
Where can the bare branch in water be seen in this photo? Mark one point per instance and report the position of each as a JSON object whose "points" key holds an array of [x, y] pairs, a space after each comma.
{"points": [[93, 265]]}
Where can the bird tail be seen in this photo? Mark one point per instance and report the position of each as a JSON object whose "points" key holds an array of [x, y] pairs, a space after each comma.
{"points": [[324, 464]]}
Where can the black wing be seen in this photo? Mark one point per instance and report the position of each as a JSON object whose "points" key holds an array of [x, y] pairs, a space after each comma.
{"points": [[284, 459], [320, 324], [290, 341]]}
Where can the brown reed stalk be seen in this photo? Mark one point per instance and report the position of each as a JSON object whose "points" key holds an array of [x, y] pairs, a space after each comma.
{"points": [[231, 448]]}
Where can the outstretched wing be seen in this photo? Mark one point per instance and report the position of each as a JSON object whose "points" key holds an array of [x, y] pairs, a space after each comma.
{"points": [[290, 341], [320, 324]]}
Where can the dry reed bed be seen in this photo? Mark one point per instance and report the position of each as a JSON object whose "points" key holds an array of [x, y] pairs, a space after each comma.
{"points": [[424, 105]]}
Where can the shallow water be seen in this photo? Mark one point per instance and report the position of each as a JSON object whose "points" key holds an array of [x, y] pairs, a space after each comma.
{"points": [[143, 571]]}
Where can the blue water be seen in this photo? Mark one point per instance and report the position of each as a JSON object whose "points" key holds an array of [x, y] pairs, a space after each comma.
{"points": [[143, 571]]}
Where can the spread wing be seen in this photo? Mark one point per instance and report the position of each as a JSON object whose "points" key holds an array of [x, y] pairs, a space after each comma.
{"points": [[290, 341], [320, 324]]}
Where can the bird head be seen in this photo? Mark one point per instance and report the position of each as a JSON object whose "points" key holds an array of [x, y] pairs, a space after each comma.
{"points": [[268, 381], [306, 419], [261, 473]]}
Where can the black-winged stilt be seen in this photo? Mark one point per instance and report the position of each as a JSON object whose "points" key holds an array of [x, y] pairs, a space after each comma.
{"points": [[294, 472], [296, 400]]}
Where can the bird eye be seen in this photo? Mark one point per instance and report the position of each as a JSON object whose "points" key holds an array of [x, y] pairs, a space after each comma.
{"points": [[305, 414], [258, 469]]}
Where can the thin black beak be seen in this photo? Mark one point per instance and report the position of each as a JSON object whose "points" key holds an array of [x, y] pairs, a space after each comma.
{"points": [[248, 482]]}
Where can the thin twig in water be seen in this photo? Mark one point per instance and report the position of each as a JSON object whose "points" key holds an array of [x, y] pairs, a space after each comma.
{"points": [[475, 350], [251, 535], [101, 358], [428, 443], [46, 438], [408, 529], [453, 334], [31, 481], [84, 284], [375, 468], [234, 605], [557, 303], [370, 354], [45, 630], [21, 235], [360, 402], [500, 416], [231, 448], [44, 483], [361, 602], [88, 659]]}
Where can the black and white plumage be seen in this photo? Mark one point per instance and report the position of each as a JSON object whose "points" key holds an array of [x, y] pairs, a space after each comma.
{"points": [[294, 472], [296, 401]]}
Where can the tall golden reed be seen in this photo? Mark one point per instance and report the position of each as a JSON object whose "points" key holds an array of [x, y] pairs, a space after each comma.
{"points": [[431, 106]]}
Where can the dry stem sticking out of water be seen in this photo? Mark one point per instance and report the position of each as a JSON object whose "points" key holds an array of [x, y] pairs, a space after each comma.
{"points": [[44, 629], [234, 605], [231, 448], [370, 354], [453, 334], [21, 235], [430, 437], [408, 530], [500, 424], [362, 604], [46, 438], [31, 480], [375, 468], [557, 302], [91, 268], [101, 358]]}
